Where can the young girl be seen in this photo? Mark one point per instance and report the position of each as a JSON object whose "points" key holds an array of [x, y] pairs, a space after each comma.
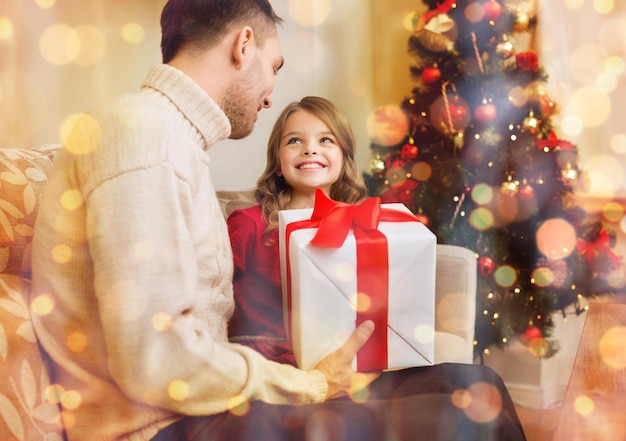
{"points": [[311, 146]]}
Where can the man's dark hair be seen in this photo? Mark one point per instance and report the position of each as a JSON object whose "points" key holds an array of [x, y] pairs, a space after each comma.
{"points": [[199, 24]]}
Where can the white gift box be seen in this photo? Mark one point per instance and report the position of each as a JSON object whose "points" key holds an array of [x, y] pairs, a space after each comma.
{"points": [[320, 304]]}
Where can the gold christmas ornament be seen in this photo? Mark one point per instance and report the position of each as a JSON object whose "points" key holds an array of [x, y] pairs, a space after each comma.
{"points": [[505, 49], [569, 176], [377, 167], [509, 187], [522, 20], [531, 123]]}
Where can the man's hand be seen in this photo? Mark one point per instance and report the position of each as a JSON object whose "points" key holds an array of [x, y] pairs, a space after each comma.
{"points": [[337, 367]]}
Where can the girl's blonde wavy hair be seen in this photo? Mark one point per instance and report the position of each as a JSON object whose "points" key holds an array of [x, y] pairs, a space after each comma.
{"points": [[272, 191]]}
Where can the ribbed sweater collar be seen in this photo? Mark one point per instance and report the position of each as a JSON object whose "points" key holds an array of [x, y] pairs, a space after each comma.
{"points": [[191, 100]]}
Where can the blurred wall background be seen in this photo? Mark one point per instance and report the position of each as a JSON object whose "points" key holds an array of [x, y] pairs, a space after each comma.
{"points": [[60, 57]]}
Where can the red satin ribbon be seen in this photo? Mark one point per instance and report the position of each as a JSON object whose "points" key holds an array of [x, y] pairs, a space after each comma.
{"points": [[334, 220], [553, 142], [442, 8], [593, 249]]}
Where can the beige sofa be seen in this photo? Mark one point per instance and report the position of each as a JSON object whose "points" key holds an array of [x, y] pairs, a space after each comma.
{"points": [[28, 410]]}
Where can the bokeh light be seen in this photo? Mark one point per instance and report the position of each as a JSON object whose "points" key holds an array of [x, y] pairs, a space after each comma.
{"points": [[543, 277], [482, 194], [42, 305], [6, 28], [556, 238], [363, 302], [613, 212], [53, 393], [71, 399], [481, 219], [72, 199], [474, 12], [618, 143], [605, 174], [421, 171], [161, 321], [45, 4], [583, 405], [92, 45], [485, 404], [68, 419], [573, 4], [592, 105], [345, 271], [387, 125], [76, 341], [133, 33], [518, 96], [61, 253], [311, 13], [59, 44], [611, 347], [461, 398], [425, 333], [239, 405], [604, 6], [80, 133], [505, 276], [572, 126], [178, 390]]}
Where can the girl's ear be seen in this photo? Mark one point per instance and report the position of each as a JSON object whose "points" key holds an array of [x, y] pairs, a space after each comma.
{"points": [[279, 173], [242, 46]]}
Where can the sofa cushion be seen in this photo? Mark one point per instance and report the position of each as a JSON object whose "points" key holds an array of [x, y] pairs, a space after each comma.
{"points": [[28, 410], [22, 176]]}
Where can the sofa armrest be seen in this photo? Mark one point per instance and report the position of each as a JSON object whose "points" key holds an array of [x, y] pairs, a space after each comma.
{"points": [[455, 304], [29, 408]]}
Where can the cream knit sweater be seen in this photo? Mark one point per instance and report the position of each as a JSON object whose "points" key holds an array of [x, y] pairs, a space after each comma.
{"points": [[132, 250]]}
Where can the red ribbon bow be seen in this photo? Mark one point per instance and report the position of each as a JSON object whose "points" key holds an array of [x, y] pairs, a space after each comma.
{"points": [[442, 8], [334, 221], [591, 250], [554, 142]]}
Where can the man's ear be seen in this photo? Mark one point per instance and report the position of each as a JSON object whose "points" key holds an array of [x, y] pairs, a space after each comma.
{"points": [[243, 45]]}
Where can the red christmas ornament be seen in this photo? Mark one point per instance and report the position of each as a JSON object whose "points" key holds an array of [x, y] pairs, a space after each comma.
{"points": [[527, 61], [492, 10], [487, 265], [431, 75], [451, 115], [486, 112], [526, 192], [531, 333], [409, 152]]}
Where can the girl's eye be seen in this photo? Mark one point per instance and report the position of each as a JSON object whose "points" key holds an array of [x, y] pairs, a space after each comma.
{"points": [[294, 141], [326, 139]]}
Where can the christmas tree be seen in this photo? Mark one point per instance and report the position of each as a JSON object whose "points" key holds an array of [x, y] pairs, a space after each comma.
{"points": [[473, 152]]}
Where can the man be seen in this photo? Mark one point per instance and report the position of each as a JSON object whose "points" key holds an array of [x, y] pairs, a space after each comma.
{"points": [[132, 248]]}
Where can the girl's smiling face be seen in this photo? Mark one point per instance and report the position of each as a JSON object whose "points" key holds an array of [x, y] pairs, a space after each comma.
{"points": [[309, 155]]}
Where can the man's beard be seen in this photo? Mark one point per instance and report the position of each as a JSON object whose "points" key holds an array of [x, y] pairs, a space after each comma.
{"points": [[237, 107]]}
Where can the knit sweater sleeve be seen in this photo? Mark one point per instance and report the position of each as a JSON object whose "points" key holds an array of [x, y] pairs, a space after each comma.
{"points": [[155, 334]]}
